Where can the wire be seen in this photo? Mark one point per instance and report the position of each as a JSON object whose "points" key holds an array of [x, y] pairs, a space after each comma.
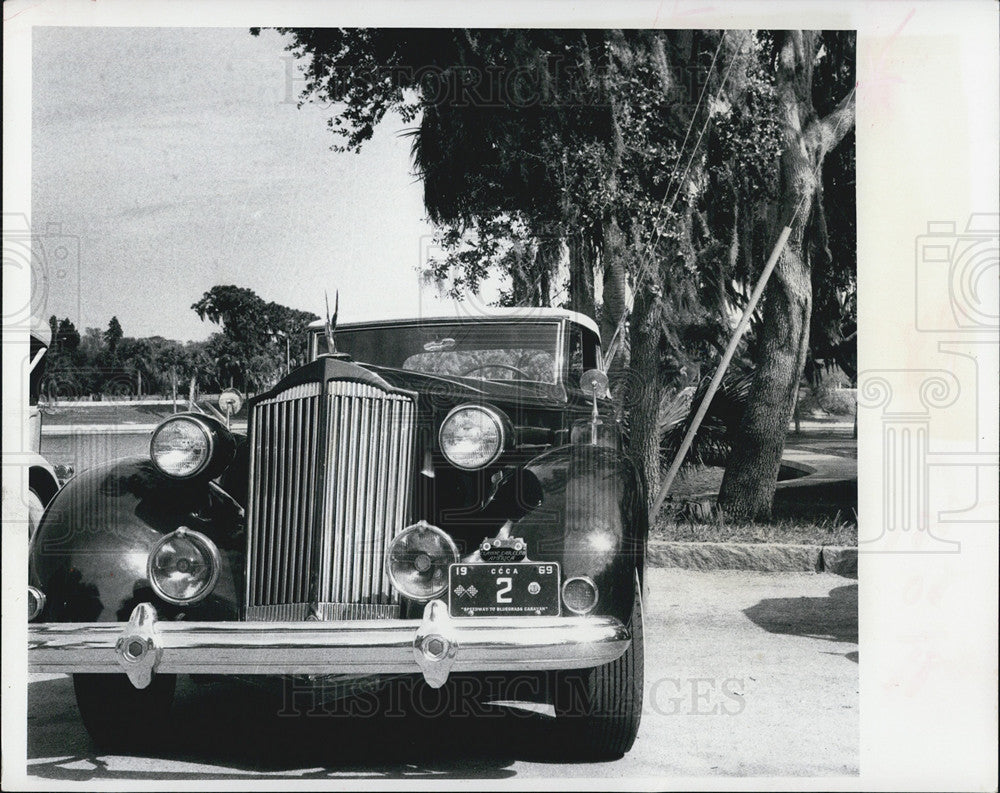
{"points": [[612, 347], [727, 357], [694, 115], [673, 171]]}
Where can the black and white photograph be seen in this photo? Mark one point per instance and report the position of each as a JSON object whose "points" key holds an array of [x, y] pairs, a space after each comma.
{"points": [[441, 396]]}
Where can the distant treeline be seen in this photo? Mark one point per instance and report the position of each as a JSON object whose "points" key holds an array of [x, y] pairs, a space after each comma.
{"points": [[258, 342]]}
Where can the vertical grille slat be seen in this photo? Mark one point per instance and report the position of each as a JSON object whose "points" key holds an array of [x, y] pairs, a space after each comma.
{"points": [[253, 503], [337, 461], [312, 450], [291, 498], [285, 506], [277, 513]]}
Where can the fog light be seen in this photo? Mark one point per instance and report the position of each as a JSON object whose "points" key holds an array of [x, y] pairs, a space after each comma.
{"points": [[579, 594], [183, 567], [418, 561], [36, 602]]}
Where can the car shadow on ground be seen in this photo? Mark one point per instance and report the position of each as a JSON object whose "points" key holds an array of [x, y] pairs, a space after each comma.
{"points": [[833, 618], [238, 731]]}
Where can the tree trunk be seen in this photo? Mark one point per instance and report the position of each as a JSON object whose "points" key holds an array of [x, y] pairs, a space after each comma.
{"points": [[522, 286], [546, 262], [613, 259], [751, 474], [581, 276], [643, 390], [752, 470]]}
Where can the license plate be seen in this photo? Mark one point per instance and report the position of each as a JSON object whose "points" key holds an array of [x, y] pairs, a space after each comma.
{"points": [[502, 589]]}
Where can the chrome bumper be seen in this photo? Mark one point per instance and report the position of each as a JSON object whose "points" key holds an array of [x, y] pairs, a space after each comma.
{"points": [[436, 646]]}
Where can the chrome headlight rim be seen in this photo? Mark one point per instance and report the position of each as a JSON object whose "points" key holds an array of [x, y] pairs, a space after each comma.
{"points": [[209, 548], [206, 430], [494, 415], [449, 543], [36, 602], [593, 586]]}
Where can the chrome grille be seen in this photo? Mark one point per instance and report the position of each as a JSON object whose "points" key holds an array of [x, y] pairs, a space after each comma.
{"points": [[330, 477]]}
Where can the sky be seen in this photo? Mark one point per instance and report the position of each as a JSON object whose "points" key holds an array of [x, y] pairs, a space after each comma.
{"points": [[175, 159]]}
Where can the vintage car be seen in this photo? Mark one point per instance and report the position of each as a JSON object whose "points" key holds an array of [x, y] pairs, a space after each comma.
{"points": [[425, 498], [42, 480]]}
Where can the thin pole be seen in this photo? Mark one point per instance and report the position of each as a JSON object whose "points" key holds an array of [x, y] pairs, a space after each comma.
{"points": [[758, 290]]}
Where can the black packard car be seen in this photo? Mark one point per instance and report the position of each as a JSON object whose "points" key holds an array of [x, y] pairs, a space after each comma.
{"points": [[426, 497]]}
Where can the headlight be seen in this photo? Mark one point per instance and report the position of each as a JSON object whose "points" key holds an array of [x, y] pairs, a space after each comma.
{"points": [[189, 445], [183, 567], [471, 437], [181, 447], [418, 561]]}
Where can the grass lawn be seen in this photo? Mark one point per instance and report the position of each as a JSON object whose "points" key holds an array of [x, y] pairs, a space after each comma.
{"points": [[823, 514], [824, 531]]}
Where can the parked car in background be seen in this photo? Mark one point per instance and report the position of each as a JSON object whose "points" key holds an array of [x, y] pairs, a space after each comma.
{"points": [[42, 480], [426, 497]]}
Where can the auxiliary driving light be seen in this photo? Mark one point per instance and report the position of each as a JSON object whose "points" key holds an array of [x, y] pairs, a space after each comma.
{"points": [[418, 561], [183, 567], [579, 594]]}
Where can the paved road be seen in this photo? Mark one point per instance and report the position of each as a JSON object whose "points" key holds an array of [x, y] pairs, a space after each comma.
{"points": [[746, 674]]}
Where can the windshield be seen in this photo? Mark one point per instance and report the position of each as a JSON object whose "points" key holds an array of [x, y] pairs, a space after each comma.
{"points": [[523, 351]]}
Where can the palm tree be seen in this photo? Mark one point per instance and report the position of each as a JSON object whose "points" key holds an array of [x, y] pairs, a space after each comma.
{"points": [[139, 359]]}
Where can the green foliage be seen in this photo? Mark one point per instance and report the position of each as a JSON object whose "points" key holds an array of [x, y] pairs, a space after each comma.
{"points": [[113, 335], [250, 352], [711, 443], [256, 335], [66, 337]]}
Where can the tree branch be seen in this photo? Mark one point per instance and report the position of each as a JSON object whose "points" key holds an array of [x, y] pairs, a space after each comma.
{"points": [[826, 133]]}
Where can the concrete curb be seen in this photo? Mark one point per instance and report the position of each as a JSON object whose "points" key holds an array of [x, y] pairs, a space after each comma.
{"points": [[769, 557]]}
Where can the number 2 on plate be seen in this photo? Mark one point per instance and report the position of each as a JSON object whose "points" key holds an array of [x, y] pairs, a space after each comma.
{"points": [[507, 584]]}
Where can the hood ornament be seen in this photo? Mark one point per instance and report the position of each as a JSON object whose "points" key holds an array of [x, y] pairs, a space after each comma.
{"points": [[331, 325], [330, 328]]}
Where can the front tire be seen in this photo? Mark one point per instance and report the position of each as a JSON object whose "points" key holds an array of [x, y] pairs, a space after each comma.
{"points": [[598, 710], [119, 716]]}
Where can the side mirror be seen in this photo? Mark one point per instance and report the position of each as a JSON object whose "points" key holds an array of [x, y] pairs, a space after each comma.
{"points": [[594, 383], [230, 402]]}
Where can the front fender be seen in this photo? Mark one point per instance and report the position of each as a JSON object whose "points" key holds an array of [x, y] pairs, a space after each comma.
{"points": [[592, 519], [90, 550], [41, 477]]}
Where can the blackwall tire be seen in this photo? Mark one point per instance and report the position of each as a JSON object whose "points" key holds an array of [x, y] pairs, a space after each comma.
{"points": [[598, 710], [119, 716]]}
